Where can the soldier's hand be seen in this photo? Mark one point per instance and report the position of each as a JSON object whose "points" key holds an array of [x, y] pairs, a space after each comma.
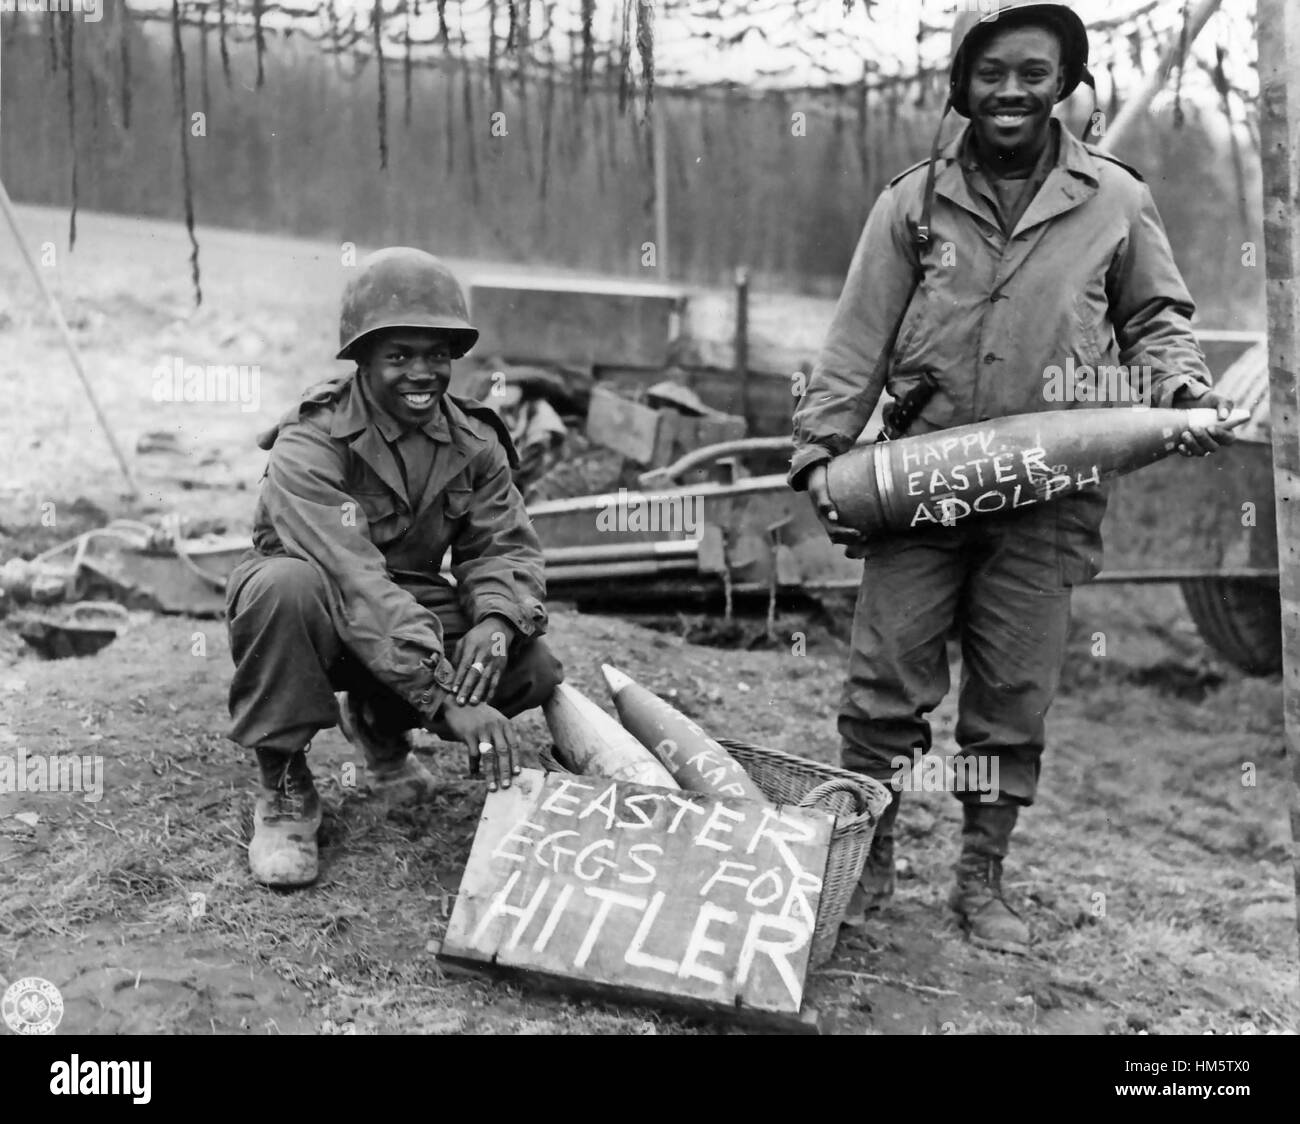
{"points": [[480, 658], [826, 513], [1202, 440], [488, 736]]}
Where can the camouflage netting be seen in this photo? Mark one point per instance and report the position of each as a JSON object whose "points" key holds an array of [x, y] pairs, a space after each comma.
{"points": [[852, 53]]}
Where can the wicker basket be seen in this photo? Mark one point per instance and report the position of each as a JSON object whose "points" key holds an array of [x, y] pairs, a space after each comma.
{"points": [[856, 802]]}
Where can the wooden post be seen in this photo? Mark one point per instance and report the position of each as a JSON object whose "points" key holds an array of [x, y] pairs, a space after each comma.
{"points": [[741, 357], [1279, 120]]}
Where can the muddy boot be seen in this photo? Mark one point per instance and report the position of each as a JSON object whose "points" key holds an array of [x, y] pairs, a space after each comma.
{"points": [[285, 821], [876, 885], [977, 897], [396, 775]]}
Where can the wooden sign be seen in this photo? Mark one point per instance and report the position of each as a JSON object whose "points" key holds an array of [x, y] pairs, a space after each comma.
{"points": [[644, 894]]}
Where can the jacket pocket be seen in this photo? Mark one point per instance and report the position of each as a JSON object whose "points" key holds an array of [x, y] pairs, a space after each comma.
{"points": [[1090, 328], [457, 502], [902, 357], [383, 516]]}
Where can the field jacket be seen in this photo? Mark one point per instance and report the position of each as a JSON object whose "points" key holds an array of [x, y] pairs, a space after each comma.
{"points": [[1087, 275], [334, 495]]}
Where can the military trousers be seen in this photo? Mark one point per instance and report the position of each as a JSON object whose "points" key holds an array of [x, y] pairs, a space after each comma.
{"points": [[1002, 584], [289, 661]]}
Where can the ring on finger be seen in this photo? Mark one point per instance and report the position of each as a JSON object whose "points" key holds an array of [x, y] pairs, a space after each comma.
{"points": [[477, 665]]}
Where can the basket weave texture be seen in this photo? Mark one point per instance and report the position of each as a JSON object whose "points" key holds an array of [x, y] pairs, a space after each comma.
{"points": [[856, 802]]}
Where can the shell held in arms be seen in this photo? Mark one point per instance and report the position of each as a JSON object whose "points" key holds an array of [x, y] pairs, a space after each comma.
{"points": [[944, 477]]}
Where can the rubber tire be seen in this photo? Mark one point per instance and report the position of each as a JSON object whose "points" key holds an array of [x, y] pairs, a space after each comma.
{"points": [[1240, 618]]}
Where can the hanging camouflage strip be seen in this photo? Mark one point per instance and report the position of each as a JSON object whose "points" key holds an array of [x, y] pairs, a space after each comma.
{"points": [[625, 58], [406, 71], [52, 39], [178, 49], [588, 43], [225, 49], [597, 151], [920, 69], [336, 49], [93, 80], [124, 57], [519, 18], [548, 111], [377, 22], [493, 76], [645, 46], [449, 120], [864, 146], [69, 23], [1222, 88], [1182, 61], [258, 39], [471, 148], [205, 92]]}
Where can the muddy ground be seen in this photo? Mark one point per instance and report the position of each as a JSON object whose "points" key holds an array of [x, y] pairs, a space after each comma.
{"points": [[1156, 876]]}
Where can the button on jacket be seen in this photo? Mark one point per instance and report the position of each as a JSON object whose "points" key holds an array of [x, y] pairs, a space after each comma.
{"points": [[334, 495], [1086, 274]]}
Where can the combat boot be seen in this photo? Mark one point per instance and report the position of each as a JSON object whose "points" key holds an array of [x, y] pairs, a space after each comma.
{"points": [[876, 885], [285, 821], [977, 897], [396, 775]]}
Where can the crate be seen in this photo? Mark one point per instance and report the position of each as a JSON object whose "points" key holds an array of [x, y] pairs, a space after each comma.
{"points": [[856, 802]]}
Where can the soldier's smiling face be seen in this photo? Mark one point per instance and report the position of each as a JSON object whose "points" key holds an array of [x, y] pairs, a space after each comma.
{"points": [[407, 371], [1014, 80]]}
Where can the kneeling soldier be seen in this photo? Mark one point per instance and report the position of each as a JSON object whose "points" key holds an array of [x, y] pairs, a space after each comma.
{"points": [[371, 478]]}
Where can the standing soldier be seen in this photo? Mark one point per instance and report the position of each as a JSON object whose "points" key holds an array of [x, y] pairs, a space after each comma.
{"points": [[371, 479], [1012, 250]]}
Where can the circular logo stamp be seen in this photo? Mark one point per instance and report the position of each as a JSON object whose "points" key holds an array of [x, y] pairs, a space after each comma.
{"points": [[32, 1006]]}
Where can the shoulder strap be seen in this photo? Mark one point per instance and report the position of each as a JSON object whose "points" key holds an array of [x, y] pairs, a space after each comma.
{"points": [[1132, 171], [313, 398], [492, 418], [908, 171]]}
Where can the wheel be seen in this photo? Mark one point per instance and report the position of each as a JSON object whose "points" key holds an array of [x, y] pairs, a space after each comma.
{"points": [[1239, 618]]}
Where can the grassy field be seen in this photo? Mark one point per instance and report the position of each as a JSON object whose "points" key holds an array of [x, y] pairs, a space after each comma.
{"points": [[1158, 881]]}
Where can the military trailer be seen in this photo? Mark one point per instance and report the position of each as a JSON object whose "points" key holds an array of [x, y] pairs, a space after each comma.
{"points": [[720, 517]]}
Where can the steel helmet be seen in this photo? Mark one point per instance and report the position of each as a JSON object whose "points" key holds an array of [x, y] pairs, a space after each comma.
{"points": [[968, 29], [401, 287], [972, 26]]}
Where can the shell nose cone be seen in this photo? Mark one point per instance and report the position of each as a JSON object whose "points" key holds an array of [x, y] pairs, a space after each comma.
{"points": [[614, 678], [1204, 416]]}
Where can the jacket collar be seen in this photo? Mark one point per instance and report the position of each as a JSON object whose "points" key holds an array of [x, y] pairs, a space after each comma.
{"points": [[355, 412], [456, 442], [1072, 180]]}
